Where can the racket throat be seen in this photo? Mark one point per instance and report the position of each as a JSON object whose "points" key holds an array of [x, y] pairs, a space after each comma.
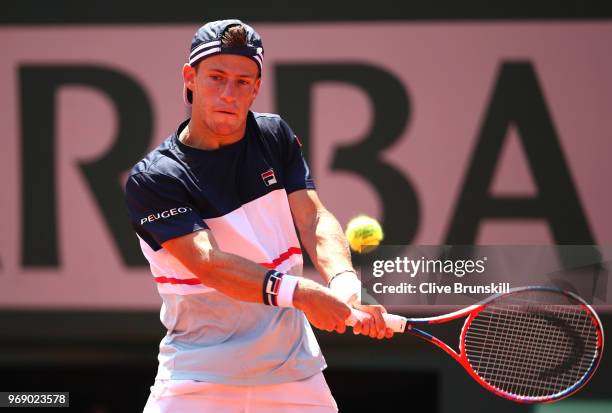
{"points": [[410, 328]]}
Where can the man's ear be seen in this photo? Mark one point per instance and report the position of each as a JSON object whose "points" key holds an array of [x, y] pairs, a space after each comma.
{"points": [[189, 74]]}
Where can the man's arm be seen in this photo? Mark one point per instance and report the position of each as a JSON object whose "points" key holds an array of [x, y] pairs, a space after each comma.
{"points": [[243, 279], [326, 244], [321, 234]]}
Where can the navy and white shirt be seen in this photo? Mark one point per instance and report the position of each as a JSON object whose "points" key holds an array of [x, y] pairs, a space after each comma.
{"points": [[239, 192]]}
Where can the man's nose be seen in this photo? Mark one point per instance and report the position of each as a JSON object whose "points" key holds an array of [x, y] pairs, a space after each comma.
{"points": [[229, 92]]}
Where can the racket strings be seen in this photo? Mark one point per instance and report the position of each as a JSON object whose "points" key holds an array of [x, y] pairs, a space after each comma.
{"points": [[551, 354], [525, 360], [528, 360], [532, 350]]}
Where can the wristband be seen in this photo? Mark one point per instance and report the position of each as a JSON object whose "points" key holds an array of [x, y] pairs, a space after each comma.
{"points": [[286, 290], [278, 288], [329, 283], [346, 286]]}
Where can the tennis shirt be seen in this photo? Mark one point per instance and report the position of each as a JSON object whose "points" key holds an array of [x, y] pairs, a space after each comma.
{"points": [[238, 192]]}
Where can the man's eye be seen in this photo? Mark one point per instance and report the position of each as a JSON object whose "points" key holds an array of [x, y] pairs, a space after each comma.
{"points": [[215, 78], [243, 82]]}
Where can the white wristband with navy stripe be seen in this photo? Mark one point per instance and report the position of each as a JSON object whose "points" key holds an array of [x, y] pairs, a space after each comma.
{"points": [[278, 288]]}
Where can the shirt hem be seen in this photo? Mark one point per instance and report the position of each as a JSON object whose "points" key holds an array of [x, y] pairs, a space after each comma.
{"points": [[260, 380]]}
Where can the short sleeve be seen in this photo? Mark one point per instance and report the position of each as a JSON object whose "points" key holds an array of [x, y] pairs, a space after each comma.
{"points": [[159, 208], [297, 173]]}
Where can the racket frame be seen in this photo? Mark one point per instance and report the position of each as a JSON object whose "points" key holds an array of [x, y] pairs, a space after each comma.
{"points": [[411, 326]]}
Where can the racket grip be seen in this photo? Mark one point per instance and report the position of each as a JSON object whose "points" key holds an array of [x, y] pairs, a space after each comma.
{"points": [[394, 322]]}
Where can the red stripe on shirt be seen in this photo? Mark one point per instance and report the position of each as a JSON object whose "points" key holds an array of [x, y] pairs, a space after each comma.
{"points": [[283, 257], [188, 281]]}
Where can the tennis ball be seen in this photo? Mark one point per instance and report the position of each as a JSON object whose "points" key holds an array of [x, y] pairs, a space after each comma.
{"points": [[363, 233]]}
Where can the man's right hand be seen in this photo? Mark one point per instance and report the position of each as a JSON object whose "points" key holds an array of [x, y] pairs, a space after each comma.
{"points": [[323, 309]]}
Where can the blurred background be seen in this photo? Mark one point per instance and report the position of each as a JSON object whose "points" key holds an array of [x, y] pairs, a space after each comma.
{"points": [[453, 123]]}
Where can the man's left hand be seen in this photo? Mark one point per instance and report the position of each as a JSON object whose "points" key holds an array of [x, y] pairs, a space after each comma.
{"points": [[372, 325]]}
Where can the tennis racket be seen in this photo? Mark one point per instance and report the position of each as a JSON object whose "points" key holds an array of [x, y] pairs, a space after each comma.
{"points": [[529, 345]]}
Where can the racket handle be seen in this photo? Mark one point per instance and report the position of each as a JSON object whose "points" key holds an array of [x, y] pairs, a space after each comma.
{"points": [[394, 322]]}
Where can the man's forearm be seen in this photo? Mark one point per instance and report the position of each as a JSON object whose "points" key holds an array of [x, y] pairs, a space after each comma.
{"points": [[227, 273], [326, 244], [230, 274]]}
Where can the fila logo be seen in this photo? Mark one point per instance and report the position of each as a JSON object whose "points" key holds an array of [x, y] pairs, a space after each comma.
{"points": [[273, 285], [268, 177]]}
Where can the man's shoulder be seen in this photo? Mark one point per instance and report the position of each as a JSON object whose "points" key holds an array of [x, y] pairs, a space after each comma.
{"points": [[266, 117], [161, 161], [272, 124]]}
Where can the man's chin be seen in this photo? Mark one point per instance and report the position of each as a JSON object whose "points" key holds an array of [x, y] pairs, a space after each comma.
{"points": [[227, 129], [228, 125]]}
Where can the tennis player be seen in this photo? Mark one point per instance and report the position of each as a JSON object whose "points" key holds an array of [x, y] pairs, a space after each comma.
{"points": [[215, 208]]}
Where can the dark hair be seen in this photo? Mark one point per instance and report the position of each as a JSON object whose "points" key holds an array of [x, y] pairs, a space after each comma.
{"points": [[234, 36]]}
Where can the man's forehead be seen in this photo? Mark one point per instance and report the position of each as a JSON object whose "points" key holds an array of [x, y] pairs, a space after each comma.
{"points": [[231, 64]]}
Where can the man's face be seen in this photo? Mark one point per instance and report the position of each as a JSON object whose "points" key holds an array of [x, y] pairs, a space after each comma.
{"points": [[224, 87]]}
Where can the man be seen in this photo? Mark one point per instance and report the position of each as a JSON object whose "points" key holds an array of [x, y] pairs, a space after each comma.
{"points": [[214, 207]]}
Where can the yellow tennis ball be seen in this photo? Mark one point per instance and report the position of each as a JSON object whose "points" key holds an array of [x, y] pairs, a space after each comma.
{"points": [[363, 233]]}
